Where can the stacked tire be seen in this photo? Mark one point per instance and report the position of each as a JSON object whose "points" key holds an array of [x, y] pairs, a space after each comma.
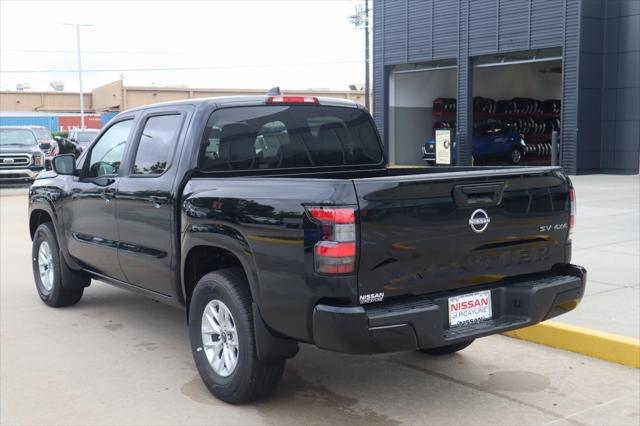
{"points": [[444, 105], [534, 119]]}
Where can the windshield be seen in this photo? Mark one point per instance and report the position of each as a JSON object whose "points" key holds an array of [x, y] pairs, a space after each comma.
{"points": [[17, 137], [84, 138], [42, 134], [289, 136]]}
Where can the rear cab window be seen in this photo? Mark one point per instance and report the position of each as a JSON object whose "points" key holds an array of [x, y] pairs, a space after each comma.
{"points": [[288, 136]]}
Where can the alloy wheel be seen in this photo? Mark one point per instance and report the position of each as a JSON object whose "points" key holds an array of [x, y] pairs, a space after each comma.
{"points": [[220, 338], [45, 265]]}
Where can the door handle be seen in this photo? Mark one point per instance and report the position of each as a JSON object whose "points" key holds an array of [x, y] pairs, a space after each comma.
{"points": [[478, 195], [158, 200]]}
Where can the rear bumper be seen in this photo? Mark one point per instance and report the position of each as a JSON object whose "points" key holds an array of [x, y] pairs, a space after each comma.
{"points": [[10, 174], [422, 322]]}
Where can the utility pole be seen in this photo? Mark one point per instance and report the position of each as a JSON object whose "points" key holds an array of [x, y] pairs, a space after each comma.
{"points": [[359, 20], [80, 69]]}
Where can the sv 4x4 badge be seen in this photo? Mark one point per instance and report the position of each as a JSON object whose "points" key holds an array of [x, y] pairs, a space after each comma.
{"points": [[555, 227]]}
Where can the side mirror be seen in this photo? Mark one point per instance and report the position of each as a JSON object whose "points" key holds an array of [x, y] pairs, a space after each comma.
{"points": [[57, 138], [64, 164]]}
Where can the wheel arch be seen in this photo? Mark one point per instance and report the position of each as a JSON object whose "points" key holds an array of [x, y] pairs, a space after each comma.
{"points": [[40, 213], [37, 217], [202, 258]]}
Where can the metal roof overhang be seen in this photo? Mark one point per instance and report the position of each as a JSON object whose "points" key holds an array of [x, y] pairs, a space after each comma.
{"points": [[486, 61]]}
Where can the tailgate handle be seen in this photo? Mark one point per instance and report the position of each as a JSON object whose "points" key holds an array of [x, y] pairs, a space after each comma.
{"points": [[479, 194]]}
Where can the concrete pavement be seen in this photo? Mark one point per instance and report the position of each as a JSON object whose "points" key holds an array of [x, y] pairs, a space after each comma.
{"points": [[118, 358], [607, 242]]}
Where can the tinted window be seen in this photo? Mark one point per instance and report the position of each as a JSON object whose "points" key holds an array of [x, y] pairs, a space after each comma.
{"points": [[156, 144], [16, 137], [42, 134], [106, 155], [275, 137], [85, 137], [494, 130]]}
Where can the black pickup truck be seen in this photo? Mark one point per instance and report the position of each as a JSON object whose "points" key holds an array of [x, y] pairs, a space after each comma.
{"points": [[274, 220]]}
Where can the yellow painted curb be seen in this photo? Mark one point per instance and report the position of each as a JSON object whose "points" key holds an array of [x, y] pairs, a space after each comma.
{"points": [[598, 344]]}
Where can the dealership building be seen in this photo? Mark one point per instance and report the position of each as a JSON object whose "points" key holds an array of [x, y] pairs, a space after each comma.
{"points": [[567, 66]]}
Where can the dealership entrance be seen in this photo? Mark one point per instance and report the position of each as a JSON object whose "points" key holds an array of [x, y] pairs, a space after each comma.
{"points": [[413, 90], [515, 96]]}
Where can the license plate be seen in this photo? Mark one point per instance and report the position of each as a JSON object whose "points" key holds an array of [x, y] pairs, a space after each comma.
{"points": [[469, 308]]}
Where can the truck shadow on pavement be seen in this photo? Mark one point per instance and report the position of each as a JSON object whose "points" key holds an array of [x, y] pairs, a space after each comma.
{"points": [[334, 387]]}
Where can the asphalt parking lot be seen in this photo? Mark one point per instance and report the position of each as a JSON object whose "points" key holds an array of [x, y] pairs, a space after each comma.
{"points": [[118, 358]]}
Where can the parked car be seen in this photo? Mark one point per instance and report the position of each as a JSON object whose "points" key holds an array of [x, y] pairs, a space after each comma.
{"points": [[275, 220], [83, 137], [21, 157], [491, 141]]}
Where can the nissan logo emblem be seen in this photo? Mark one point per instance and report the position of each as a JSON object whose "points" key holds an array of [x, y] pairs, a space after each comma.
{"points": [[479, 220]]}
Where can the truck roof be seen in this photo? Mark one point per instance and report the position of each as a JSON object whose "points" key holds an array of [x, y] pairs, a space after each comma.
{"points": [[223, 101]]}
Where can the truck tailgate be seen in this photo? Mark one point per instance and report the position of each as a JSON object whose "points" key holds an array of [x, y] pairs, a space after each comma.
{"points": [[434, 232]]}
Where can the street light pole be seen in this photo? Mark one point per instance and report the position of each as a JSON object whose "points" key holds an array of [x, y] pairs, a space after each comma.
{"points": [[359, 20], [80, 70], [367, 88]]}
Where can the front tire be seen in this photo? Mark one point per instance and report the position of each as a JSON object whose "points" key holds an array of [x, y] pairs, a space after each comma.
{"points": [[448, 349], [57, 285], [222, 339], [516, 156]]}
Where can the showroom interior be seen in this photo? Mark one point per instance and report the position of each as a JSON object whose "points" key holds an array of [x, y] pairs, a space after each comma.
{"points": [[532, 66]]}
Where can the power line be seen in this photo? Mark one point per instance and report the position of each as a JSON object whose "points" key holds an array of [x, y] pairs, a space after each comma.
{"points": [[195, 68], [97, 52]]}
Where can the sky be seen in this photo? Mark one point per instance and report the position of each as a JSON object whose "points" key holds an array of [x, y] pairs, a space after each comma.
{"points": [[210, 44]]}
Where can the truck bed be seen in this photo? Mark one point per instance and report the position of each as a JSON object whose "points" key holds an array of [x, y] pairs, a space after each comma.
{"points": [[413, 229], [370, 172]]}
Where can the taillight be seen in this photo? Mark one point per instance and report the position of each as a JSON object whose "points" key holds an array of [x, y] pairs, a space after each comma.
{"points": [[309, 100], [572, 211], [335, 253]]}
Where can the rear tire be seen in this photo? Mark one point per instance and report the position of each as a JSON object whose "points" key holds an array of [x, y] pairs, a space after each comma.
{"points": [[515, 156], [448, 349], [222, 302], [57, 285]]}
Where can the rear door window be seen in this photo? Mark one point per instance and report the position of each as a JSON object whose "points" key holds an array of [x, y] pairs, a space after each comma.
{"points": [[287, 136], [156, 145]]}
